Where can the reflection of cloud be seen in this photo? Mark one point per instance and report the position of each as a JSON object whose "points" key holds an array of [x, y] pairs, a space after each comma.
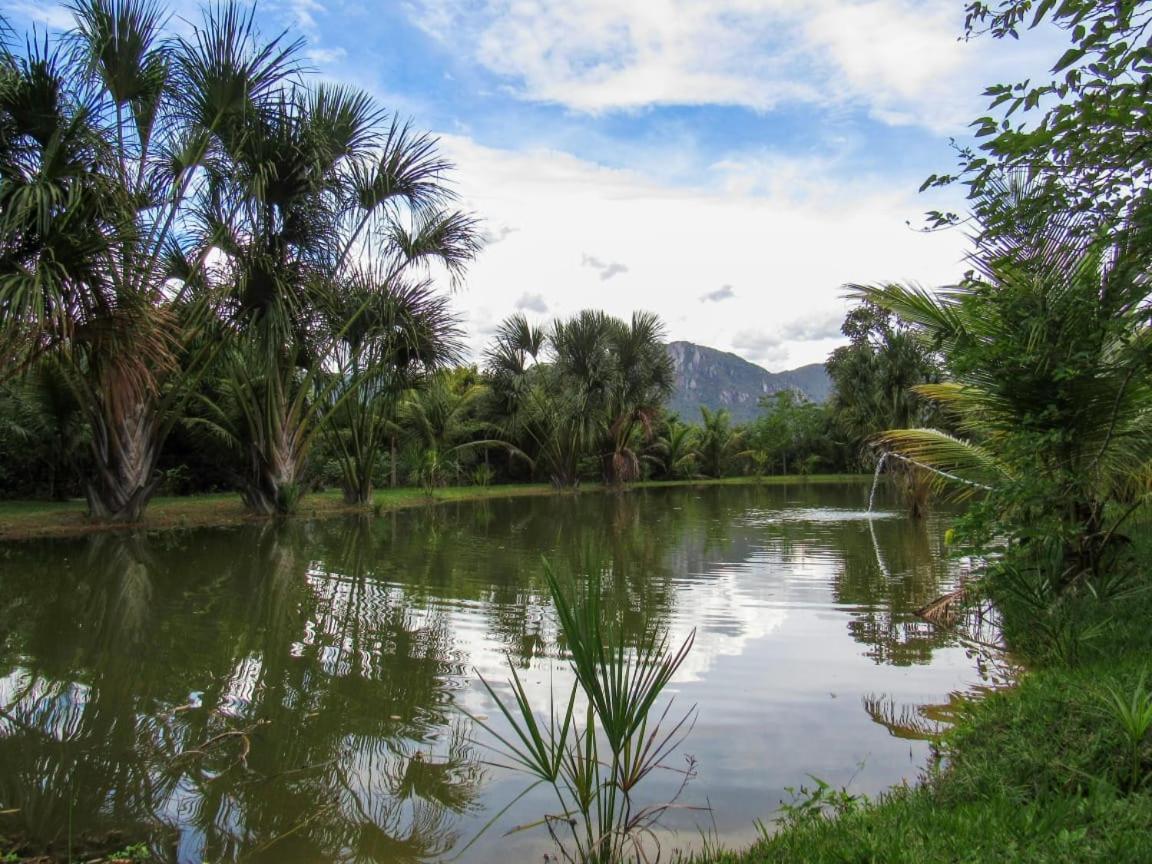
{"points": [[724, 292], [532, 303], [606, 269]]}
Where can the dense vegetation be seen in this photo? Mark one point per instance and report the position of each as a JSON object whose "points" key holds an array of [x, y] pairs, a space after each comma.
{"points": [[1040, 418], [217, 273]]}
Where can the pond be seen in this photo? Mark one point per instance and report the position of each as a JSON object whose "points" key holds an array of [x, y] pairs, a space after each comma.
{"points": [[301, 692]]}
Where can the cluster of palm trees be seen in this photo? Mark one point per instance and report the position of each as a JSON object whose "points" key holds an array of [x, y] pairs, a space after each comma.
{"points": [[193, 231], [590, 389]]}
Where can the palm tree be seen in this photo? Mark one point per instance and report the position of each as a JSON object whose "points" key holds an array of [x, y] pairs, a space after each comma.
{"points": [[40, 418], [441, 422], [1048, 348], [317, 181], [105, 134], [875, 376], [405, 333], [717, 442], [622, 373], [676, 450], [644, 379]]}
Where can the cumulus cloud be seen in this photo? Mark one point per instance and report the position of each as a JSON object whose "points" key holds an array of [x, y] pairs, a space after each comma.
{"points": [[323, 56], [823, 324], [532, 303], [760, 347], [606, 269], [491, 236], [566, 206], [724, 292], [900, 59]]}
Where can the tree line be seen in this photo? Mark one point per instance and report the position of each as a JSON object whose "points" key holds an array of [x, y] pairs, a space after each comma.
{"points": [[217, 272]]}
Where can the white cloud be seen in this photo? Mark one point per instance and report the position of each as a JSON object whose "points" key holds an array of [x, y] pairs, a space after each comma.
{"points": [[790, 251], [606, 269], [901, 59], [532, 303], [822, 324], [323, 56], [759, 346], [304, 12], [53, 15], [725, 292]]}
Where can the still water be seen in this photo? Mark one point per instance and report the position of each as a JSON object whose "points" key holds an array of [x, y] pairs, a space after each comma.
{"points": [[301, 692]]}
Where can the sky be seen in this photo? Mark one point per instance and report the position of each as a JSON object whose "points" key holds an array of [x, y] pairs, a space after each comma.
{"points": [[728, 164]]}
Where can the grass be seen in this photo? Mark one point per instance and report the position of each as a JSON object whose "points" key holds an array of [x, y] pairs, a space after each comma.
{"points": [[1035, 774], [1055, 769], [20, 520]]}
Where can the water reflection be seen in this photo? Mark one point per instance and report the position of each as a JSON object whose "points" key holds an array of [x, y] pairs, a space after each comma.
{"points": [[290, 692]]}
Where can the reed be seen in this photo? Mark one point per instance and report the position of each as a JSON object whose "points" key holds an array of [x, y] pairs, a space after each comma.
{"points": [[596, 746]]}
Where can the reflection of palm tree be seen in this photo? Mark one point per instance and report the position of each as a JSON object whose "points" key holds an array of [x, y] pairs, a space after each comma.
{"points": [[884, 619], [322, 659]]}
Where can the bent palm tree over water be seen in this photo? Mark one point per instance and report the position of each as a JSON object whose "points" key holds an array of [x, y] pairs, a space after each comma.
{"points": [[1050, 387]]}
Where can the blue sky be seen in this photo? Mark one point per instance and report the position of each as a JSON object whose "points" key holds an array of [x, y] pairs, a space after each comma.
{"points": [[728, 164]]}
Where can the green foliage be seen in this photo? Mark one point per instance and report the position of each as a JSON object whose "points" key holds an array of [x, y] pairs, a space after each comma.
{"points": [[812, 804], [874, 378], [596, 757], [1078, 131], [675, 450], [137, 852], [107, 130], [909, 827], [791, 433], [1132, 711], [590, 389], [1048, 358], [717, 443], [1053, 769], [182, 207]]}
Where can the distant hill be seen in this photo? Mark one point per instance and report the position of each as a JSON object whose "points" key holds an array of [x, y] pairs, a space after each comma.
{"points": [[717, 379]]}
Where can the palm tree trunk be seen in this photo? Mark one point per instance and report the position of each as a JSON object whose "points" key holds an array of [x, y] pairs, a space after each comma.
{"points": [[392, 463], [126, 450], [274, 482]]}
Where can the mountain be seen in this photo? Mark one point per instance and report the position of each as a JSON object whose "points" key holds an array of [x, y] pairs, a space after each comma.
{"points": [[717, 379]]}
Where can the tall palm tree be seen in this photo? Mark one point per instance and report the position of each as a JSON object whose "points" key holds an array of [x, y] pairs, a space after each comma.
{"points": [[405, 333], [106, 134], [590, 387], [623, 373], [317, 181], [644, 379]]}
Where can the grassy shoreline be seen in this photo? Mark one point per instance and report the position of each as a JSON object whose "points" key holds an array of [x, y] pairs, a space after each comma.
{"points": [[27, 520], [1057, 768]]}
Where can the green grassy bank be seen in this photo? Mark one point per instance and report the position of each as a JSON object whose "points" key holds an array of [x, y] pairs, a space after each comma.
{"points": [[28, 519], [1056, 769]]}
